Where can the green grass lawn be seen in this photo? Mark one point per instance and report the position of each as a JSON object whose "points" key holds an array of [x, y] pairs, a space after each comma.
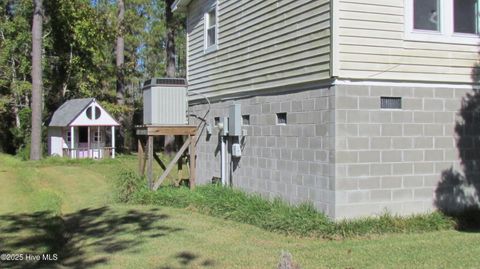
{"points": [[66, 208]]}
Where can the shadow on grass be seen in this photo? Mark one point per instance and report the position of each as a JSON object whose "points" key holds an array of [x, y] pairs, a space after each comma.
{"points": [[186, 258], [81, 239]]}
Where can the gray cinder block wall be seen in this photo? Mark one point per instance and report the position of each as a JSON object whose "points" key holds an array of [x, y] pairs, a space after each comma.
{"points": [[339, 149], [292, 161], [392, 159]]}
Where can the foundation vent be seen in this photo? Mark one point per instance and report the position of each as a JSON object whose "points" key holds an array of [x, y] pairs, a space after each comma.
{"points": [[391, 102]]}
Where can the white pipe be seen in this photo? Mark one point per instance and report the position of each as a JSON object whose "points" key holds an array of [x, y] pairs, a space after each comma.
{"points": [[223, 160]]}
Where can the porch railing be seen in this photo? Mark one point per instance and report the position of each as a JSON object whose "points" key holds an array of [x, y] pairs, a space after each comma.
{"points": [[94, 153]]}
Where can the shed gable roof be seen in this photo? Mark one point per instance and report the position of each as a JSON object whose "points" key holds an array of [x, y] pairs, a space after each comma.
{"points": [[67, 112]]}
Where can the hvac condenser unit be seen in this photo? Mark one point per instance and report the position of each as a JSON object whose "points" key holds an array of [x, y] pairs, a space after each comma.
{"points": [[165, 101]]}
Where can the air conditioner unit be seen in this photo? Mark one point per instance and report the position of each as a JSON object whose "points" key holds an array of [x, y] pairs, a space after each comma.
{"points": [[165, 101]]}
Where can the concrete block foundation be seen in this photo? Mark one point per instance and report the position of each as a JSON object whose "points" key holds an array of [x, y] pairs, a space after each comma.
{"points": [[339, 150]]}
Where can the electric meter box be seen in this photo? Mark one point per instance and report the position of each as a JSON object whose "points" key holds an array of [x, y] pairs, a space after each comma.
{"points": [[235, 120]]}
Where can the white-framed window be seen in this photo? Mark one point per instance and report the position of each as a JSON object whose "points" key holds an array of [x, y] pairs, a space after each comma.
{"points": [[97, 137], [69, 136], [449, 21], [211, 29]]}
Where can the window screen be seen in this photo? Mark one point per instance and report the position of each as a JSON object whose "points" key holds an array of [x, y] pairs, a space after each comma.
{"points": [[465, 14], [426, 15]]}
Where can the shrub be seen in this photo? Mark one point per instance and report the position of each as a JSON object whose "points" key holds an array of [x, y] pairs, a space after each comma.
{"points": [[128, 184]]}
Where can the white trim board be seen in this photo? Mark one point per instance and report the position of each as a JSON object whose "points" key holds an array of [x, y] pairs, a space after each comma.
{"points": [[405, 84]]}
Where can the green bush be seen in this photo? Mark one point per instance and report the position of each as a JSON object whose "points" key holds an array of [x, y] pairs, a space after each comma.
{"points": [[24, 152], [127, 185], [276, 215]]}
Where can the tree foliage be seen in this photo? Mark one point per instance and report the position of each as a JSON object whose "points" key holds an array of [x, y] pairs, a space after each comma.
{"points": [[78, 58]]}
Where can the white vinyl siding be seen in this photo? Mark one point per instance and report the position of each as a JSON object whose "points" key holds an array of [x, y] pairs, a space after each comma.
{"points": [[372, 45], [263, 44]]}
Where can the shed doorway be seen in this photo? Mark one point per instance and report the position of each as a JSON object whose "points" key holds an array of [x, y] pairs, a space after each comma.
{"points": [[82, 135]]}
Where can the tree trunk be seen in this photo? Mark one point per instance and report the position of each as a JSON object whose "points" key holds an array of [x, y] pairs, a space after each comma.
{"points": [[16, 101], [170, 142], [120, 57], [120, 61], [170, 50], [36, 142]]}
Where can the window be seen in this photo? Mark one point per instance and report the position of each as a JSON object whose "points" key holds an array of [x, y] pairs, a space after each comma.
{"points": [[449, 21], [97, 137], [465, 16], [97, 112], [281, 118], [211, 29], [425, 15], [217, 121], [69, 136]]}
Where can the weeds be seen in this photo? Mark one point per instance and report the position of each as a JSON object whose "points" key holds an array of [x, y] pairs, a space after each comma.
{"points": [[275, 215]]}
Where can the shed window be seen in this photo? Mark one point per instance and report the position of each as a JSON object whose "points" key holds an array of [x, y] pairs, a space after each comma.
{"points": [[211, 29], [426, 14], [97, 136], [98, 112]]}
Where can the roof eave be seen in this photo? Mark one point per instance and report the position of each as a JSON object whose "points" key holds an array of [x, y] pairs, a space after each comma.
{"points": [[180, 5]]}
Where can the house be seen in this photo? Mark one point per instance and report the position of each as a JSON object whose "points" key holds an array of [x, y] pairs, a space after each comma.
{"points": [[351, 105], [82, 128]]}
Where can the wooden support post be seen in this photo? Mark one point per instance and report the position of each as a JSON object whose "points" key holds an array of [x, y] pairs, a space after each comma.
{"points": [[179, 172], [147, 161], [141, 157], [193, 154], [150, 161], [179, 164], [172, 164]]}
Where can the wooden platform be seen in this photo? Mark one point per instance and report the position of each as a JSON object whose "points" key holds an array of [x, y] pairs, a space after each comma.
{"points": [[146, 152], [166, 130]]}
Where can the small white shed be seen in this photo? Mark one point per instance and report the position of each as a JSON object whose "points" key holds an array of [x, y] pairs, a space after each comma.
{"points": [[82, 128]]}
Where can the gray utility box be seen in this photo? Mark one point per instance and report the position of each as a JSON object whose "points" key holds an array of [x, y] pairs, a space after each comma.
{"points": [[235, 120], [165, 101]]}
